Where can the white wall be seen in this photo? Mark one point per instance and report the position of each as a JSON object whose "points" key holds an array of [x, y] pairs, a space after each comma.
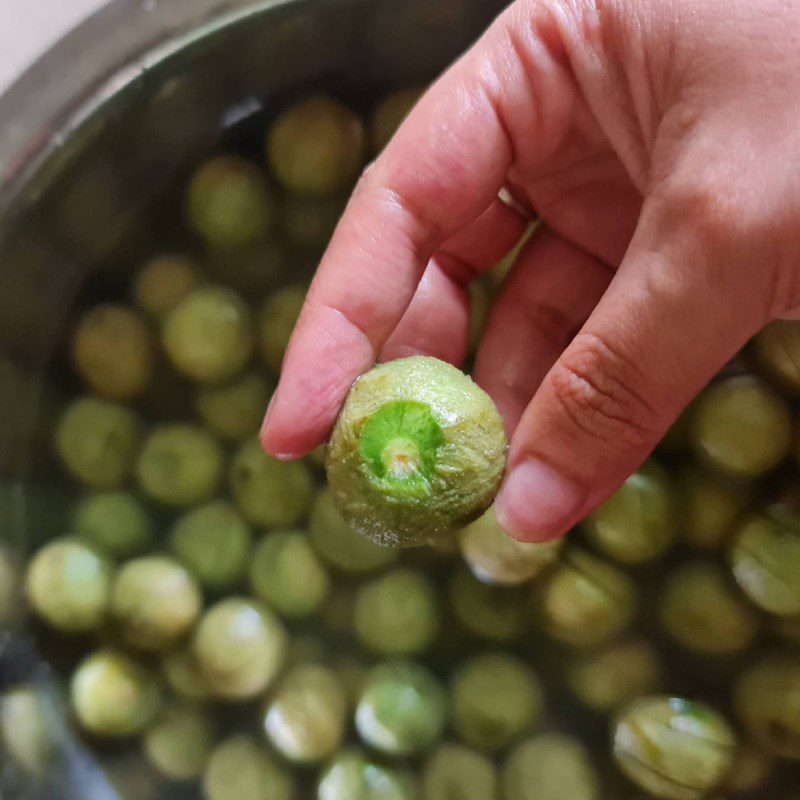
{"points": [[28, 27]]}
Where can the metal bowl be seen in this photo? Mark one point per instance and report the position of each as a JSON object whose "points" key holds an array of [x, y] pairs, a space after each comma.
{"points": [[104, 123]]}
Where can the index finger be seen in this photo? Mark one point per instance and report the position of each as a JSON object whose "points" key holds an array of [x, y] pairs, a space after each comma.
{"points": [[444, 167]]}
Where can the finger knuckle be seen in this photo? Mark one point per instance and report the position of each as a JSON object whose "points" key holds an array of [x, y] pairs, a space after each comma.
{"points": [[739, 230], [729, 213], [595, 387], [713, 208]]}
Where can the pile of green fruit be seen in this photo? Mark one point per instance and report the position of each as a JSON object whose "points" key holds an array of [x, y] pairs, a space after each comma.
{"points": [[237, 631]]}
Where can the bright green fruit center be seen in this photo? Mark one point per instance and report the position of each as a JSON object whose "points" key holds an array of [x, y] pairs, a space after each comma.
{"points": [[399, 443]]}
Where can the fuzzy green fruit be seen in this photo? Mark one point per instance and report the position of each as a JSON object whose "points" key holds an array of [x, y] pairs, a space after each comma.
{"points": [[418, 451]]}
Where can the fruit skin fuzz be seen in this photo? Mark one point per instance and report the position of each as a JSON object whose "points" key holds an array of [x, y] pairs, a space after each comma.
{"points": [[418, 452]]}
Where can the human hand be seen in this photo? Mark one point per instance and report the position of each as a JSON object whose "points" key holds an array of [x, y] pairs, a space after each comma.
{"points": [[660, 142]]}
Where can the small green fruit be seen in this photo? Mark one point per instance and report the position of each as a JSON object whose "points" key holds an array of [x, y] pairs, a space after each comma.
{"points": [[402, 709], [240, 647], [154, 601], [213, 542], [179, 465], [179, 742], [113, 352], [397, 613], [162, 283], [637, 523], [672, 748], [494, 698], [68, 586], [208, 336], [494, 557], [306, 718], [339, 545], [418, 451], [113, 695], [228, 203], [316, 147], [767, 700], [242, 769], [287, 575], [551, 766], [455, 772], [97, 442], [116, 523], [234, 411], [352, 776], [268, 491]]}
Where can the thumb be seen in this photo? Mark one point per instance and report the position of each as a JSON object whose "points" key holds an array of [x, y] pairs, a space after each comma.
{"points": [[679, 307]]}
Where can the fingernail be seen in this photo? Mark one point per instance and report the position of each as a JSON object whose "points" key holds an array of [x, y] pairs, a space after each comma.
{"points": [[536, 503]]}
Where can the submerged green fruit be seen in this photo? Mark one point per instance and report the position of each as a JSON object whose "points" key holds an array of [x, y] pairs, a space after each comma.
{"points": [[112, 351], [710, 506], [494, 557], [154, 601], [208, 336], [242, 769], [751, 770], [702, 612], [418, 451], [287, 575], [234, 411], [116, 523], [306, 718], [240, 647], [605, 679], [316, 147], [497, 613], [765, 558], [179, 464], [183, 674], [26, 730], [672, 748], [550, 767], [637, 523], [777, 353], [179, 742], [586, 601], [97, 441], [401, 710], [397, 613], [268, 491], [767, 700], [339, 545], [455, 772], [741, 427], [68, 585], [213, 541], [228, 203], [352, 776], [162, 283], [494, 698], [113, 695]]}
